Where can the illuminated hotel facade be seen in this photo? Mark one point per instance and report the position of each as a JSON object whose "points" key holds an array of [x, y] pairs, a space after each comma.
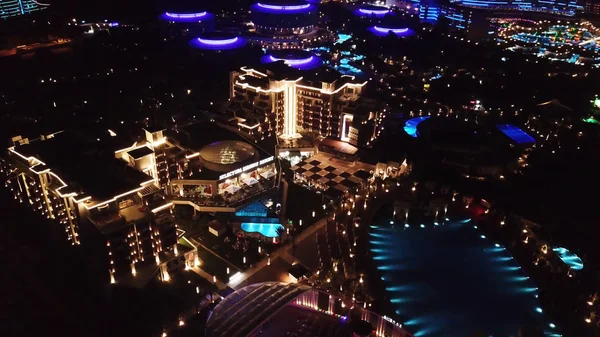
{"points": [[10, 8], [115, 194], [321, 102], [101, 195]]}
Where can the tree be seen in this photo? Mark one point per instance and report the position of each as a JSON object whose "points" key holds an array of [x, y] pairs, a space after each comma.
{"points": [[280, 231]]}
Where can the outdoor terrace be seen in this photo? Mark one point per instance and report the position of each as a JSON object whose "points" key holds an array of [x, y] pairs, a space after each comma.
{"points": [[227, 199]]}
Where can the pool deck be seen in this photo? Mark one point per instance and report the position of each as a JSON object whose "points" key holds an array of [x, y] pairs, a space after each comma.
{"points": [[283, 252]]}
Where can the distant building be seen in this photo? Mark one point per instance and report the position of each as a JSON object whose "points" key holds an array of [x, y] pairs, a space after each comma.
{"points": [[473, 17], [10, 8], [283, 24], [591, 7]]}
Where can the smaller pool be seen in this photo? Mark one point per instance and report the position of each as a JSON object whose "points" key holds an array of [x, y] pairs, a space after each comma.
{"points": [[343, 38], [410, 127], [267, 229], [569, 258]]}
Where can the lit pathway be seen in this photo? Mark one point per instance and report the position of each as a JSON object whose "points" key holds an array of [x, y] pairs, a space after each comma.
{"points": [[281, 252], [209, 277]]}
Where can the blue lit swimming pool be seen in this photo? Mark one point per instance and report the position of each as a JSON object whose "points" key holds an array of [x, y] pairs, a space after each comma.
{"points": [[516, 134], [450, 280], [267, 229], [569, 258], [343, 38], [410, 127]]}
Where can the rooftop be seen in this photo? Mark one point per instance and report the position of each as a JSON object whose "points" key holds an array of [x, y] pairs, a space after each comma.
{"points": [[241, 312], [314, 77], [84, 165], [221, 150]]}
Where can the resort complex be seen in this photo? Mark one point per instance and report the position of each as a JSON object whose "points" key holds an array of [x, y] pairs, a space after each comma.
{"points": [[300, 168]]}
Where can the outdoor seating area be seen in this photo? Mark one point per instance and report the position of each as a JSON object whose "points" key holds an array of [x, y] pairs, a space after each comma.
{"points": [[324, 173], [233, 196]]}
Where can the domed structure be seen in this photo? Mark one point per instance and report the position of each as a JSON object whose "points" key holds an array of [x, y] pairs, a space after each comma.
{"points": [[371, 11], [397, 30], [283, 309], [226, 155], [284, 24], [217, 41], [284, 17], [295, 58]]}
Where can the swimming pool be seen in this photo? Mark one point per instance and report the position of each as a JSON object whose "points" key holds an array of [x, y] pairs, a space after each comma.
{"points": [[569, 258], [516, 134], [267, 229], [410, 127], [450, 280]]}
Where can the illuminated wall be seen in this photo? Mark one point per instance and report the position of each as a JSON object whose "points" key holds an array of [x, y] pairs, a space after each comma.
{"points": [[429, 10], [123, 238], [291, 110], [551, 6], [298, 106], [458, 17], [9, 8]]}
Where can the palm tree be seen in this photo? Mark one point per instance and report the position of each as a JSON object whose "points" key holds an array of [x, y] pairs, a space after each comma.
{"points": [[280, 231]]}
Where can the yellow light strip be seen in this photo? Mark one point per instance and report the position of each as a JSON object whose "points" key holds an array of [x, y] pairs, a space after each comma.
{"points": [[148, 182], [248, 126], [34, 159], [329, 92], [115, 198], [193, 155], [160, 142], [258, 89], [73, 194], [160, 208], [129, 148], [39, 172], [253, 70], [77, 201]]}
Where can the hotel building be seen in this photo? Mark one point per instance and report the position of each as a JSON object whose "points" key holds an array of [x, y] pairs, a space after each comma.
{"points": [[275, 98], [114, 195], [102, 197]]}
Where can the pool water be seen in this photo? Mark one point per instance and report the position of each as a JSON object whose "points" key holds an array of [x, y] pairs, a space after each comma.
{"points": [[267, 229], [516, 134], [570, 259], [450, 280], [410, 127], [256, 209]]}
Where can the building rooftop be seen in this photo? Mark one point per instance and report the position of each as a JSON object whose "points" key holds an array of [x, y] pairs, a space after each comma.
{"points": [[140, 152], [85, 166], [313, 77], [241, 312], [220, 149], [227, 152]]}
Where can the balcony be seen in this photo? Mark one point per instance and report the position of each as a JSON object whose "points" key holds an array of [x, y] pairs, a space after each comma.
{"points": [[110, 221]]}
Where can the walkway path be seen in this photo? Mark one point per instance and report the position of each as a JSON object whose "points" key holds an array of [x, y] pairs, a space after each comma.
{"points": [[281, 252], [209, 277]]}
